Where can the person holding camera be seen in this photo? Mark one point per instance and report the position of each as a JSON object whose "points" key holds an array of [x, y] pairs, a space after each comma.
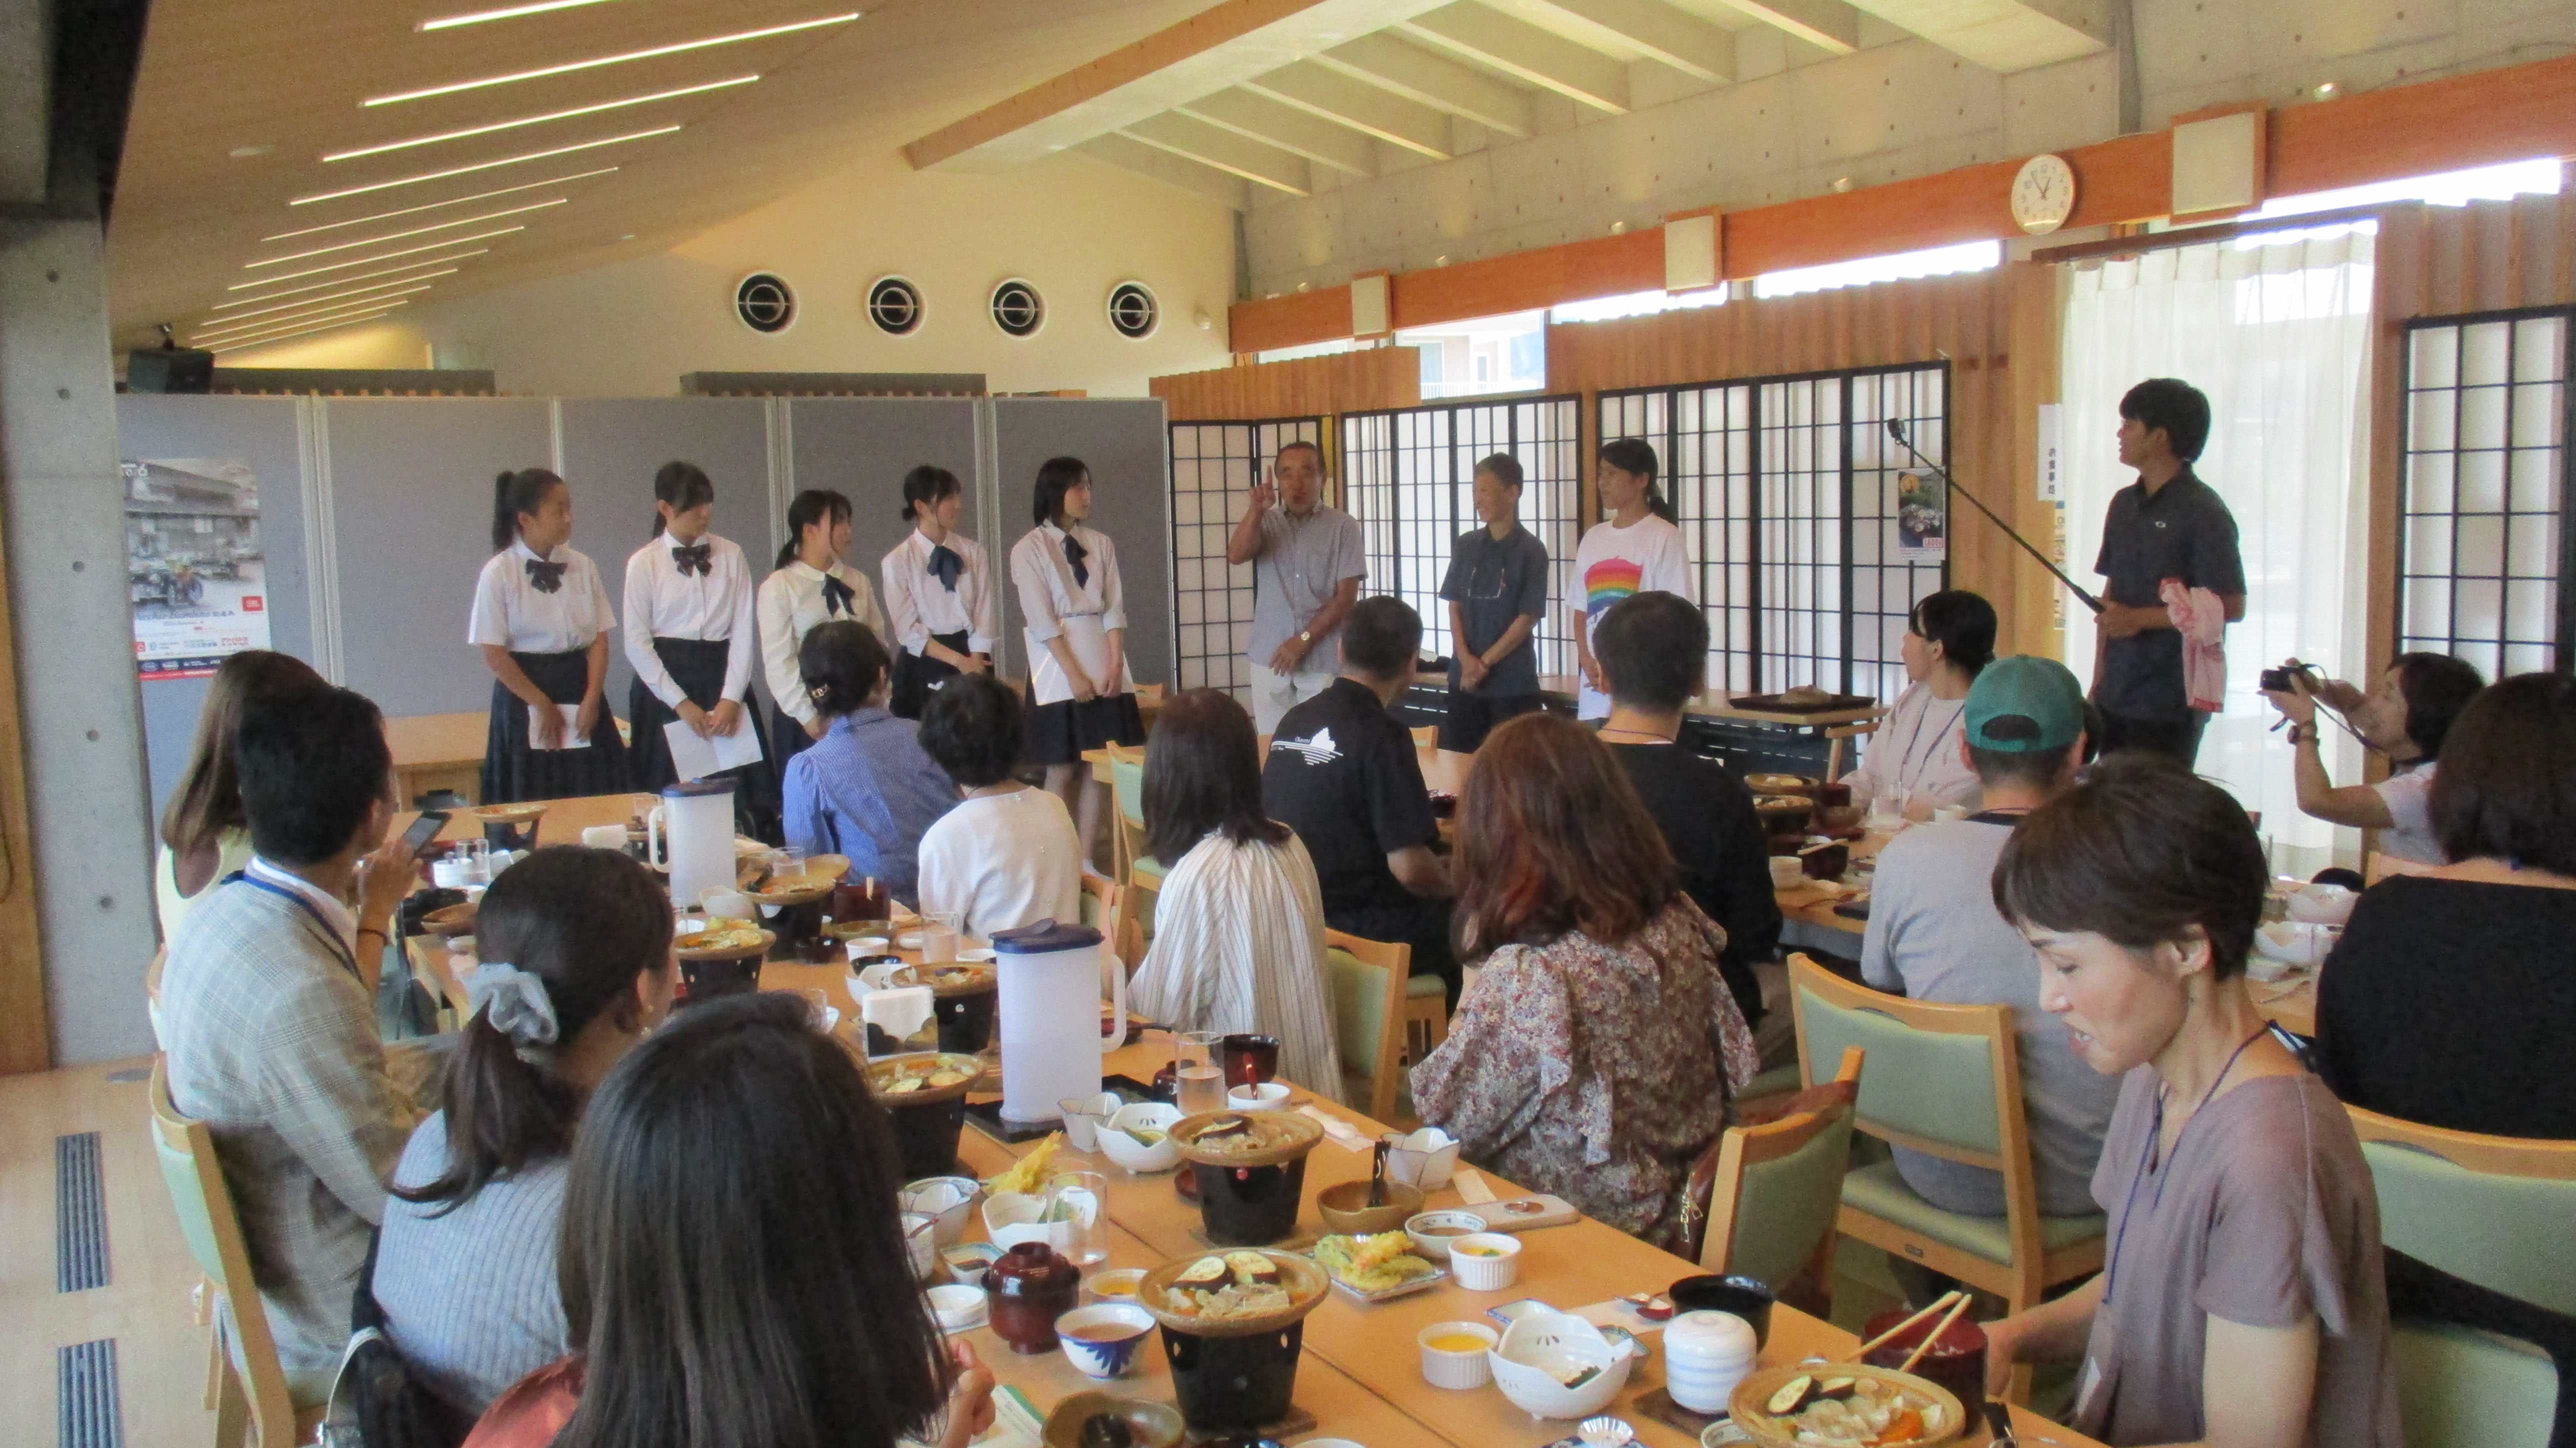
{"points": [[2405, 717]]}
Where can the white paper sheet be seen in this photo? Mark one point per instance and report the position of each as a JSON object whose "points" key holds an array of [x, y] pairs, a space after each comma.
{"points": [[695, 758], [573, 738]]}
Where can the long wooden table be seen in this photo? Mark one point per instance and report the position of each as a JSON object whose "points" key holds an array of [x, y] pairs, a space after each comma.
{"points": [[437, 751]]}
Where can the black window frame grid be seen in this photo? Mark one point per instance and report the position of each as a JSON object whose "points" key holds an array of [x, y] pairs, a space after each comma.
{"points": [[1408, 476], [2434, 490], [1759, 468], [1223, 592]]}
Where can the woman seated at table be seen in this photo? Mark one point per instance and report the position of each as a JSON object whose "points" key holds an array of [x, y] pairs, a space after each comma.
{"points": [[2406, 718], [576, 944], [1914, 757], [2241, 1304], [734, 1272], [1005, 856], [1239, 920], [1595, 1056], [204, 834], [865, 789]]}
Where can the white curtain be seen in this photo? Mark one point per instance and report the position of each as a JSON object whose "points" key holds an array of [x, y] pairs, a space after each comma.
{"points": [[2278, 337]]}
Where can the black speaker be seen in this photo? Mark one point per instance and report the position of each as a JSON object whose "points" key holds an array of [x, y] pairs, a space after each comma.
{"points": [[169, 369]]}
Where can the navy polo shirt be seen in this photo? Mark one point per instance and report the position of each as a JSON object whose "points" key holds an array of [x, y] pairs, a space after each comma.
{"points": [[2183, 531], [1343, 774]]}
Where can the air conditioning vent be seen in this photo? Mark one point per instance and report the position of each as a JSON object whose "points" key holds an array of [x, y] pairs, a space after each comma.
{"points": [[1017, 308], [1133, 312], [765, 303], [894, 304]]}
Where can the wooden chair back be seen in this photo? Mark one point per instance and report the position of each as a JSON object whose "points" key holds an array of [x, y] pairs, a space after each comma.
{"points": [[1426, 737], [2381, 865], [2493, 1210], [1104, 908], [1778, 1187], [1127, 788], [1368, 978], [212, 1229]]}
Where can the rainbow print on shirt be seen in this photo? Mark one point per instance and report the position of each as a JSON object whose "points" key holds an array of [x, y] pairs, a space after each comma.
{"points": [[1609, 581]]}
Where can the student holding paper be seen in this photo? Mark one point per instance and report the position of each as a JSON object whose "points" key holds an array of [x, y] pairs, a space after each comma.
{"points": [[542, 618], [1076, 612], [692, 639]]}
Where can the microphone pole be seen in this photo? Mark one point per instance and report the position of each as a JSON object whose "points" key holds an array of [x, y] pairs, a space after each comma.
{"points": [[1896, 430]]}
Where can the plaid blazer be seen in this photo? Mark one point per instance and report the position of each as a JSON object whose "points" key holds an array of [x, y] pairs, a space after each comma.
{"points": [[272, 1042]]}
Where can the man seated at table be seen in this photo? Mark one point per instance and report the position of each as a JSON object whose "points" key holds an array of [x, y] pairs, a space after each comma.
{"points": [[270, 1024], [1654, 647], [1935, 935], [1343, 773]]}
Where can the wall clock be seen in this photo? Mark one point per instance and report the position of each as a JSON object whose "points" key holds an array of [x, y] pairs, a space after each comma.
{"points": [[2043, 195]]}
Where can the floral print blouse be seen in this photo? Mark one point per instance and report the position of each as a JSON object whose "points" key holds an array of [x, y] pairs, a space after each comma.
{"points": [[1596, 1072]]}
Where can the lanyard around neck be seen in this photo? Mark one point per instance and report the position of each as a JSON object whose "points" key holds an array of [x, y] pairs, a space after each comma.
{"points": [[2155, 1136], [339, 947]]}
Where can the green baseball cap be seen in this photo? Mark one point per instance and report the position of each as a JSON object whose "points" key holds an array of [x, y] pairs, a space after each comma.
{"points": [[2023, 703]]}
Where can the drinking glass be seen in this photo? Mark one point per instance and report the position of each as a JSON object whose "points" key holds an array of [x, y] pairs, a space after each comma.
{"points": [[1084, 1197], [939, 935], [1198, 1080], [786, 861]]}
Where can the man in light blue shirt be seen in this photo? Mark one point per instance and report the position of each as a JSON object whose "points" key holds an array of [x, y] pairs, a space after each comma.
{"points": [[1308, 578]]}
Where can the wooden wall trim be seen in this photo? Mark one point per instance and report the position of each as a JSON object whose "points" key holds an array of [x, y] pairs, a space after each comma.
{"points": [[1361, 381], [1297, 319], [25, 1040]]}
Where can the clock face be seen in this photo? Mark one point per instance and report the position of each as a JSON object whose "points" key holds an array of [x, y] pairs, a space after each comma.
{"points": [[2043, 195]]}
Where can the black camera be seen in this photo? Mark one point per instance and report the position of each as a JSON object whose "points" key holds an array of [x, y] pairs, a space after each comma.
{"points": [[2277, 681]]}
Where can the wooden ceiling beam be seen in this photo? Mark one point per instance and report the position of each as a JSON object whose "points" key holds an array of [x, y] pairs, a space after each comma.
{"points": [[1337, 97], [1661, 33], [1525, 52], [1228, 151], [1288, 128]]}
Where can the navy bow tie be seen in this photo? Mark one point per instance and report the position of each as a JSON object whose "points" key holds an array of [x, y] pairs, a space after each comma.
{"points": [[545, 577], [697, 558], [945, 565], [1074, 553], [836, 596]]}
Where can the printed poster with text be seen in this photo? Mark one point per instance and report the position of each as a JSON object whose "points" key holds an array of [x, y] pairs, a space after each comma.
{"points": [[193, 565]]}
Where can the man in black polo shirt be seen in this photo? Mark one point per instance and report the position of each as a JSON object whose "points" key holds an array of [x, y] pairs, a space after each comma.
{"points": [[1343, 774], [1497, 592], [2168, 524]]}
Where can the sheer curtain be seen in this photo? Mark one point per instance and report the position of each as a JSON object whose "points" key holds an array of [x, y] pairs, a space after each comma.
{"points": [[2278, 337]]}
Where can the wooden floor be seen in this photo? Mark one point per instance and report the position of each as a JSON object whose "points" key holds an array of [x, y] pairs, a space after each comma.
{"points": [[145, 1307]]}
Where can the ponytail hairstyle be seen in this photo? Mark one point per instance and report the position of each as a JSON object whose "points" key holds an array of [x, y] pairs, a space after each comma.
{"points": [[571, 928], [208, 800], [683, 486], [926, 487], [1056, 477], [814, 506], [1636, 455], [524, 491]]}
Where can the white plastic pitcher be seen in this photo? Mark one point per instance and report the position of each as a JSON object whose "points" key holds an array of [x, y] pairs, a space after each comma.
{"points": [[690, 834], [1051, 1039]]}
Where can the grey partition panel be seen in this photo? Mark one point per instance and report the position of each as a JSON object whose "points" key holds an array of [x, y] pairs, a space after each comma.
{"points": [[263, 432], [1124, 445], [862, 446], [612, 448], [411, 511]]}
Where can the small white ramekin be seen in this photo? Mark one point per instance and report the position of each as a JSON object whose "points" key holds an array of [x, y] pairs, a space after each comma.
{"points": [[1442, 1368], [1485, 1274]]}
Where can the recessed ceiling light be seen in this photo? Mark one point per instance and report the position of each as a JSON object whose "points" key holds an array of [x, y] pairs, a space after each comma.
{"points": [[244, 153], [238, 343], [434, 205], [388, 289], [478, 17], [361, 309], [510, 125], [344, 281], [385, 256], [481, 166], [595, 62], [399, 235]]}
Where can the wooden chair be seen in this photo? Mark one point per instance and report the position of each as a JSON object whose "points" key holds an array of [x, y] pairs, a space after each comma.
{"points": [[1426, 1014], [253, 1400], [1103, 909], [2491, 1210], [2381, 865], [1773, 1200], [1837, 735], [1368, 983], [1138, 873], [1944, 1080], [152, 991], [1426, 737]]}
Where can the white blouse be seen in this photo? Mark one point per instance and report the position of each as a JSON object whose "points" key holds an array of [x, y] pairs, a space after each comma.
{"points": [[1915, 754], [1056, 607], [511, 613], [789, 604], [920, 605], [1239, 946], [663, 602]]}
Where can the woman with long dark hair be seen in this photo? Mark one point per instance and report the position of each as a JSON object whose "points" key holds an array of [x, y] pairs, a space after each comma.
{"points": [[1595, 1057], [577, 968], [542, 619], [734, 1272], [1239, 918], [810, 585], [1635, 548], [938, 593], [690, 635], [204, 834], [1076, 611], [1915, 757]]}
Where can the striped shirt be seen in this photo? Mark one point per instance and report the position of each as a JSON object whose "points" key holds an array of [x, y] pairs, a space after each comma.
{"points": [[1239, 946], [469, 1292]]}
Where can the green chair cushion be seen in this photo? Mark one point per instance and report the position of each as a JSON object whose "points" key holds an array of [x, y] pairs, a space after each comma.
{"points": [[1418, 986], [1778, 1081], [1881, 1192], [2458, 1387], [2506, 1234], [1127, 782], [1932, 1086], [1359, 1009], [1787, 1206]]}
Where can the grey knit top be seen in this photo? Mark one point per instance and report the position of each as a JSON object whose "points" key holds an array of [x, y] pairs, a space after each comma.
{"points": [[469, 1293]]}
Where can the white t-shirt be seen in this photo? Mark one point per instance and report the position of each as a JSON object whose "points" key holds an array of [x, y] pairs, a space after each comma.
{"points": [[2409, 797], [1915, 754], [1003, 861], [1610, 564], [511, 611]]}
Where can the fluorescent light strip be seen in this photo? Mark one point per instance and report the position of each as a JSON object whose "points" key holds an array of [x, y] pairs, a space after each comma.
{"points": [[240, 343], [409, 266], [570, 66], [434, 205], [389, 289], [478, 17], [370, 309], [668, 95], [399, 235], [386, 256], [364, 295], [482, 166]]}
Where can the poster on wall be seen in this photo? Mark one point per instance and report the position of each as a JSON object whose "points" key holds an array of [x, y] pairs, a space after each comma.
{"points": [[1922, 518], [193, 565]]}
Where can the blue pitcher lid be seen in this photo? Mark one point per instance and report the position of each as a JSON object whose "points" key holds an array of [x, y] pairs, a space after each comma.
{"points": [[1042, 937], [694, 788]]}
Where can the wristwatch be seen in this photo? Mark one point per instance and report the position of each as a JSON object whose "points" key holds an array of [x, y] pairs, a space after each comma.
{"points": [[2298, 735], [1305, 636]]}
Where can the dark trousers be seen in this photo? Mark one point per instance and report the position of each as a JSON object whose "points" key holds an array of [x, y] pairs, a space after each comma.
{"points": [[2176, 739], [1473, 716]]}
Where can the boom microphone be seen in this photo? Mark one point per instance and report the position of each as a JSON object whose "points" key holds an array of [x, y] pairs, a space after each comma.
{"points": [[1896, 430]]}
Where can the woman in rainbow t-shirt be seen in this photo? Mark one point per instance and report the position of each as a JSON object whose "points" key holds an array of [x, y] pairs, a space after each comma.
{"points": [[1635, 550]]}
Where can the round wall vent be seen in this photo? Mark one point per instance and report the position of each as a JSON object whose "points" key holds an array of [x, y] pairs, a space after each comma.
{"points": [[765, 303], [894, 304], [1017, 308], [1133, 312]]}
